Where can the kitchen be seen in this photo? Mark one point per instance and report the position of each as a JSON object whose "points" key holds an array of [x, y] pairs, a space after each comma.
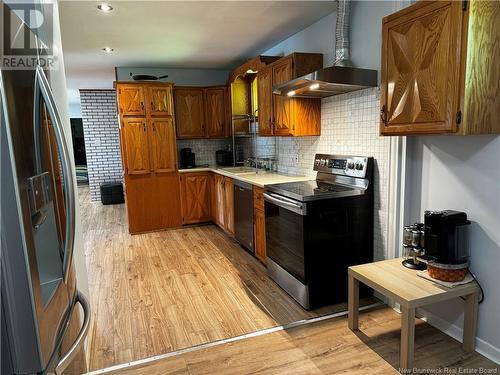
{"points": [[230, 182]]}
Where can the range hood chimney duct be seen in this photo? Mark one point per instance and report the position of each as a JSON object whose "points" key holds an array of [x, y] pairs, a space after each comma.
{"points": [[342, 29], [338, 79]]}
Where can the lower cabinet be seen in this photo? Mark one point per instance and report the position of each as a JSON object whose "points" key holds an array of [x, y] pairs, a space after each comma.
{"points": [[196, 197], [223, 203], [152, 202], [259, 226], [229, 205]]}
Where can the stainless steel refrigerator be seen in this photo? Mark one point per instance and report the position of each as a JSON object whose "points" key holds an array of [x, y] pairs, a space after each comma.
{"points": [[44, 318]]}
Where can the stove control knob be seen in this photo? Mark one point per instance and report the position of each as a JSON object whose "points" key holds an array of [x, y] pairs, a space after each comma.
{"points": [[323, 161], [359, 166], [317, 161], [350, 165]]}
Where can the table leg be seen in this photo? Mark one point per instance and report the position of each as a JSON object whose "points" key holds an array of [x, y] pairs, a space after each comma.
{"points": [[470, 321], [407, 337], [353, 303]]}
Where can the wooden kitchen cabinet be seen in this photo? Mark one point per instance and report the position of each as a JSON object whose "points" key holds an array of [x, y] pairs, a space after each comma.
{"points": [[224, 203], [160, 100], [265, 100], [189, 112], [131, 100], [148, 148], [202, 112], [216, 112], [136, 146], [259, 226], [219, 212], [283, 115], [229, 204], [195, 197], [162, 145], [439, 72]]}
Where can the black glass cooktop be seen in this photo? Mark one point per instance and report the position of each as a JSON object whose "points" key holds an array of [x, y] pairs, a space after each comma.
{"points": [[312, 190]]}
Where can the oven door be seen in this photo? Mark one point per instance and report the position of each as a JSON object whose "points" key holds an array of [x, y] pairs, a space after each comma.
{"points": [[285, 221]]}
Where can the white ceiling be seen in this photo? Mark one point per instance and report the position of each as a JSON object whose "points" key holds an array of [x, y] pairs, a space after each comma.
{"points": [[180, 34]]}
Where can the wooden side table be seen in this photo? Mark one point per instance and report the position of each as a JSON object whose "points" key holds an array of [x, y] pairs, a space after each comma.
{"points": [[392, 279]]}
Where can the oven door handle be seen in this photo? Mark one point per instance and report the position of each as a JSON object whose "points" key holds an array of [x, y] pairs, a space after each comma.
{"points": [[285, 203]]}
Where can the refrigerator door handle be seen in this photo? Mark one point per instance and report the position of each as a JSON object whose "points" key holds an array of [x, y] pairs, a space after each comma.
{"points": [[42, 88], [80, 339]]}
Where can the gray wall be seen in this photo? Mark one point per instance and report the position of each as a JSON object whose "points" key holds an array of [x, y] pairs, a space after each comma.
{"points": [[462, 173], [366, 22], [188, 77]]}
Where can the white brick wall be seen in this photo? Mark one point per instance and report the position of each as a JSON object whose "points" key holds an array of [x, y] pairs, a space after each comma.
{"points": [[349, 125], [102, 143]]}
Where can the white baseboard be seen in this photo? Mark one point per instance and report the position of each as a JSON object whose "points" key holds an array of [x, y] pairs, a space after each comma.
{"points": [[482, 347]]}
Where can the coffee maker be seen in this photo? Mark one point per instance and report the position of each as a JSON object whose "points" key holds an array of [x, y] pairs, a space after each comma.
{"points": [[188, 159], [446, 236]]}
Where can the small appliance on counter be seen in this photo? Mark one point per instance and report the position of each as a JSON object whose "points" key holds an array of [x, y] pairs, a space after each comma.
{"points": [[224, 158], [440, 245], [413, 246], [188, 158], [447, 244]]}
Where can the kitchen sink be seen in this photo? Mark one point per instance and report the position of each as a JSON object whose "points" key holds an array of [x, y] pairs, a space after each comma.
{"points": [[240, 170]]}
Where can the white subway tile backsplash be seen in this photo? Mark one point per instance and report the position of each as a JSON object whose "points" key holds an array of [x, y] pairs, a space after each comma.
{"points": [[349, 125]]}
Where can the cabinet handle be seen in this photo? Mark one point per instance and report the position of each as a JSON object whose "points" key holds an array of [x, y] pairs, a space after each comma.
{"points": [[152, 107], [142, 106], [144, 128], [383, 115]]}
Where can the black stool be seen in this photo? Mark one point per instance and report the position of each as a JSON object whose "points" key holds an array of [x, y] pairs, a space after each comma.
{"points": [[112, 193]]}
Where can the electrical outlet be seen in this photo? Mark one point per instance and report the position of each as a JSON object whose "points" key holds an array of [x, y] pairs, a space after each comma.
{"points": [[296, 158]]}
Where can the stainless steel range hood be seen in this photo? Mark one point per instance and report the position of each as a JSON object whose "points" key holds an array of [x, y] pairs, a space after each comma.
{"points": [[337, 79], [330, 81]]}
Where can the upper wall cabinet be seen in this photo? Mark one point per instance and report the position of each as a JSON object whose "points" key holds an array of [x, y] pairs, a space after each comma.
{"points": [[141, 99], [131, 100], [189, 112], [284, 116], [440, 64], [160, 100], [201, 112], [216, 112]]}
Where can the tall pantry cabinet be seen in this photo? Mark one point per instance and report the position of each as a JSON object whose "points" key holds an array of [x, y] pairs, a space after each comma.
{"points": [[147, 136]]}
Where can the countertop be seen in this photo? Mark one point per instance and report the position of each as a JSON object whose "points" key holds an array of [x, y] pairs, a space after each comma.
{"points": [[260, 179]]}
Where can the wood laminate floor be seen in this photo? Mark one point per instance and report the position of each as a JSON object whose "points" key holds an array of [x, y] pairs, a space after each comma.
{"points": [[326, 347], [160, 292]]}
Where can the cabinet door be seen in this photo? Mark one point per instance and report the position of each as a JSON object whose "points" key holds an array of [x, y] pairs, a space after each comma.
{"points": [[265, 101], [215, 112], [136, 146], [162, 144], [282, 108], [260, 235], [195, 195], [421, 69], [229, 204], [189, 112], [160, 100], [219, 199], [131, 100]]}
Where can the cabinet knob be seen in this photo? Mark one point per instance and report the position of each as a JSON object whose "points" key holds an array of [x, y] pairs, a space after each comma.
{"points": [[383, 115]]}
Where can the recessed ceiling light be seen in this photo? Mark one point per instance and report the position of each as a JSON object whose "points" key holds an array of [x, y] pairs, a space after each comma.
{"points": [[105, 7], [314, 86], [108, 49]]}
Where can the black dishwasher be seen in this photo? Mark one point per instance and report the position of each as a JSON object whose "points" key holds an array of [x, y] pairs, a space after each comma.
{"points": [[243, 214]]}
